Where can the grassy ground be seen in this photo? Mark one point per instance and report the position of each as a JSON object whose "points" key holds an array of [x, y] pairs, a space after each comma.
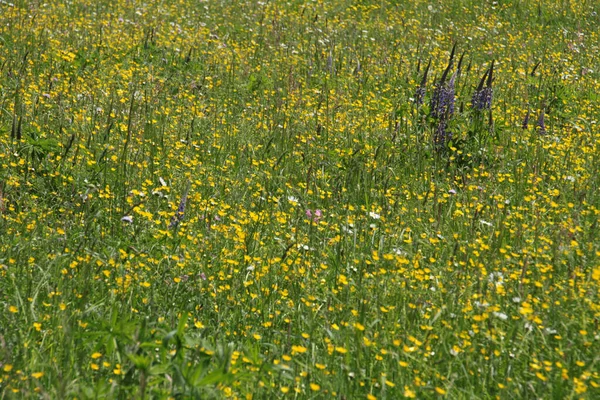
{"points": [[203, 199]]}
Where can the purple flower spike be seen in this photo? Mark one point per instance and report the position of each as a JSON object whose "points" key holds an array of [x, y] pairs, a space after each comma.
{"points": [[541, 124], [179, 214]]}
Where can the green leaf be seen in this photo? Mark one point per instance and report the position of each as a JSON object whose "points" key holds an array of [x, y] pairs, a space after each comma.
{"points": [[141, 362]]}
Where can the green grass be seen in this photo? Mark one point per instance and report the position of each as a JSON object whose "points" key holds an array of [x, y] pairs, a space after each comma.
{"points": [[331, 245]]}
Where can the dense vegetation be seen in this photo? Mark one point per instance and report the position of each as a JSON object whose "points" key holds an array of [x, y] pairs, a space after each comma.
{"points": [[299, 199]]}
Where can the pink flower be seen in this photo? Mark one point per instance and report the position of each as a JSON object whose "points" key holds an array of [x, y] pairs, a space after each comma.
{"points": [[317, 216]]}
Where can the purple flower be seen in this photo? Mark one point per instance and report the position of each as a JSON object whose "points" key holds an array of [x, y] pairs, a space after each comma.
{"points": [[442, 100], [525, 124], [541, 124], [441, 135], [179, 214], [482, 98]]}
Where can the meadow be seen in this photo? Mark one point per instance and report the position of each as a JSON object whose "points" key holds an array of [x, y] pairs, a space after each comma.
{"points": [[299, 199]]}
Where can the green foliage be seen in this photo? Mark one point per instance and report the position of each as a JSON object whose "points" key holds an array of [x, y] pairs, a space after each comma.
{"points": [[248, 200]]}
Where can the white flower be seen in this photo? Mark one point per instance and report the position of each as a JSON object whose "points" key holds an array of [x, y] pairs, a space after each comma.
{"points": [[127, 218], [500, 315], [374, 215]]}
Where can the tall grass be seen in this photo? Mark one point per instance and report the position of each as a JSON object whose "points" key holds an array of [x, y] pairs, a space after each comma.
{"points": [[250, 200]]}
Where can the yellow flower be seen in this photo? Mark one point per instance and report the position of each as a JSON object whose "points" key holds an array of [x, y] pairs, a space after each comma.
{"points": [[37, 375], [96, 355], [314, 387], [13, 309], [299, 349], [440, 390]]}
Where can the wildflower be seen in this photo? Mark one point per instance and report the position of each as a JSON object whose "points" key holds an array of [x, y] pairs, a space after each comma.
{"points": [[374, 215], [178, 217], [409, 393], [441, 135], [541, 124], [442, 101], [500, 315], [127, 218], [316, 216], [482, 98], [440, 390], [299, 349]]}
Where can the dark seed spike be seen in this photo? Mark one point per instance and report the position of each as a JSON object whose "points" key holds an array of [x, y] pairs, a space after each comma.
{"points": [[449, 67], [460, 61], [482, 82], [19, 128], [419, 65], [452, 53], [424, 80], [490, 76], [535, 67]]}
